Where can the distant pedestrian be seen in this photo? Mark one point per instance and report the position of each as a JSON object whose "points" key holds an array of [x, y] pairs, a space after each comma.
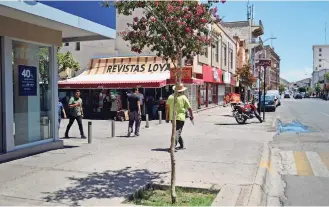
{"points": [[149, 102], [76, 113], [183, 105], [60, 111], [134, 110]]}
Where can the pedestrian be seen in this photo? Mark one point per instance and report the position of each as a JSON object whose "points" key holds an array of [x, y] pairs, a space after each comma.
{"points": [[106, 106], [149, 106], [76, 113], [60, 111], [183, 105], [134, 110]]}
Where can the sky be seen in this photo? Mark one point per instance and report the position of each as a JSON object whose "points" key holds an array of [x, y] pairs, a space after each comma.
{"points": [[296, 25]]}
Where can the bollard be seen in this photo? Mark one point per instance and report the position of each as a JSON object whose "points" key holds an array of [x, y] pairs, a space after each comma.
{"points": [[160, 117], [147, 121], [113, 128], [89, 132]]}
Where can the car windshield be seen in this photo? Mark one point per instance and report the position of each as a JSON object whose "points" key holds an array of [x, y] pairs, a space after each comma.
{"points": [[268, 98]]}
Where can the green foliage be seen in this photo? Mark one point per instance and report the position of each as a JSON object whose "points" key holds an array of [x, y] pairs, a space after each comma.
{"points": [[301, 89], [66, 60], [327, 76], [317, 88], [169, 28], [282, 88]]}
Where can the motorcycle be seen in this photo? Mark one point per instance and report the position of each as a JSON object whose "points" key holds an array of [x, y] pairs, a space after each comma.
{"points": [[235, 107], [248, 111]]}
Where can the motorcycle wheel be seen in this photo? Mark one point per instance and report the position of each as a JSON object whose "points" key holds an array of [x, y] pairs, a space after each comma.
{"points": [[240, 119]]}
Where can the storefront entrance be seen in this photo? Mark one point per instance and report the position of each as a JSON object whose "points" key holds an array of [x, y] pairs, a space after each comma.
{"points": [[1, 100]]}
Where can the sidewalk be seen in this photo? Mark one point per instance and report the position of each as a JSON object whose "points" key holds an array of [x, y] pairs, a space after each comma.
{"points": [[219, 152]]}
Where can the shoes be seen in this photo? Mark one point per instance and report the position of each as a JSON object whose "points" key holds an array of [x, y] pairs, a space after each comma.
{"points": [[66, 136], [137, 134], [83, 137], [130, 130]]}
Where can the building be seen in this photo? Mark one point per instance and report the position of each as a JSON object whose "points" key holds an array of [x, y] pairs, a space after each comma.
{"points": [[211, 75], [320, 64], [30, 34], [251, 32], [305, 83], [273, 72]]}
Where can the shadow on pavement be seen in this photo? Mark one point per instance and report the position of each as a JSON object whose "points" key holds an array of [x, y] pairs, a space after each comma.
{"points": [[160, 149], [105, 185], [228, 115], [230, 124]]}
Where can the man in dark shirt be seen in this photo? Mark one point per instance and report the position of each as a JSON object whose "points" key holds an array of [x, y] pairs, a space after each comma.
{"points": [[134, 110]]}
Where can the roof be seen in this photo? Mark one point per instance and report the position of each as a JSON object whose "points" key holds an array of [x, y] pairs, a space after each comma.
{"points": [[235, 24]]}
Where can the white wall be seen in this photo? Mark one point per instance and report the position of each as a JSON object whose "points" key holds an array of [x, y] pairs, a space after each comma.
{"points": [[317, 58]]}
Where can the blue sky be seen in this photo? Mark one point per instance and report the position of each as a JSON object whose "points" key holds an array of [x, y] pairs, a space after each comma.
{"points": [[297, 26]]}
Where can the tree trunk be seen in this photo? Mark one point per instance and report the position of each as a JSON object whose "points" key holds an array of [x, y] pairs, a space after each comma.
{"points": [[178, 77]]}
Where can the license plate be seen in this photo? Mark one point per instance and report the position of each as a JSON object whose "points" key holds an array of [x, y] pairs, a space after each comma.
{"points": [[266, 102]]}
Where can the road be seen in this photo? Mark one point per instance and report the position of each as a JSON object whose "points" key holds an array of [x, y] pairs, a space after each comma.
{"points": [[304, 156]]}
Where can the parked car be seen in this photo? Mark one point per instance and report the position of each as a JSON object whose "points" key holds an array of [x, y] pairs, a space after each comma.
{"points": [[307, 95], [270, 103], [276, 93], [298, 96], [286, 95]]}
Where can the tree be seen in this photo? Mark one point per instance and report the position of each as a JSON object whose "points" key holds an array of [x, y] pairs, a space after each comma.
{"points": [[66, 60], [245, 75], [174, 30], [282, 88], [310, 90], [301, 89], [317, 88]]}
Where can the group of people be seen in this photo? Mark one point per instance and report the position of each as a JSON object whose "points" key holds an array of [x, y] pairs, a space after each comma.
{"points": [[135, 111]]}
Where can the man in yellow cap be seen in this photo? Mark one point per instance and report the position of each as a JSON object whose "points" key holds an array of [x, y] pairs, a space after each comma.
{"points": [[183, 105]]}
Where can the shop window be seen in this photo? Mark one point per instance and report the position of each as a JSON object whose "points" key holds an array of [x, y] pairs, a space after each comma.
{"points": [[32, 93]]}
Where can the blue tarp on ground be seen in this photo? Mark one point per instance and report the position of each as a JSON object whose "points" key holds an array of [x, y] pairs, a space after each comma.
{"points": [[294, 126]]}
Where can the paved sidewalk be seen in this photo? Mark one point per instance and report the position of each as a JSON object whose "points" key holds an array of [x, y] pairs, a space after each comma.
{"points": [[219, 152]]}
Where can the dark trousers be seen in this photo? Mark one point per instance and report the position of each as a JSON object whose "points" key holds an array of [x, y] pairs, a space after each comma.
{"points": [[179, 129], [149, 109], [79, 120], [134, 117]]}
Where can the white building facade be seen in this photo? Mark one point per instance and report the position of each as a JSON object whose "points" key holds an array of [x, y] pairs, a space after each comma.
{"points": [[30, 33], [320, 64]]}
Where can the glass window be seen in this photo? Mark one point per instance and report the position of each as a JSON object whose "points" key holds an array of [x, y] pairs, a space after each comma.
{"points": [[225, 54], [77, 46], [32, 93], [320, 49]]}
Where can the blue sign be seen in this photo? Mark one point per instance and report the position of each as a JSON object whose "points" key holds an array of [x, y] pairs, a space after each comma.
{"points": [[27, 80]]}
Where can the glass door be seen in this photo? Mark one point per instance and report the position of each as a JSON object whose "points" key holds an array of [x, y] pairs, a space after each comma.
{"points": [[1, 100]]}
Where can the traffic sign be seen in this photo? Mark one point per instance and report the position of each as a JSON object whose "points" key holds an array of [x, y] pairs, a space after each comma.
{"points": [[264, 62]]}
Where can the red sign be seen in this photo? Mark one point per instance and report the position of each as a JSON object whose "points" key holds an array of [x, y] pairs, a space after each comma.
{"points": [[264, 62], [186, 73], [212, 75], [233, 80]]}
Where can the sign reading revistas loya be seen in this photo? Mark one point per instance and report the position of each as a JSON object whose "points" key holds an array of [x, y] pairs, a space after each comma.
{"points": [[138, 68]]}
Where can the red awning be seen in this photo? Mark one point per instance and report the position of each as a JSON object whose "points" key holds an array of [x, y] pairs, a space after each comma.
{"points": [[115, 81], [194, 81]]}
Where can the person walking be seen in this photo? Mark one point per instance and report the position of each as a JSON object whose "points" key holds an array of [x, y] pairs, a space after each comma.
{"points": [[134, 110], [183, 105], [76, 113], [61, 110]]}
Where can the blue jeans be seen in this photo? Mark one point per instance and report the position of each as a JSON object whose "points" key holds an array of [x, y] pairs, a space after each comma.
{"points": [[59, 123]]}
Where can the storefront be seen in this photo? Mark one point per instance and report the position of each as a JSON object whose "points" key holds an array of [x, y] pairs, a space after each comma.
{"points": [[117, 76], [29, 72], [191, 83], [227, 82], [211, 92]]}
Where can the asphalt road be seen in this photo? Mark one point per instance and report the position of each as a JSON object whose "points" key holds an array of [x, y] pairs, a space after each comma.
{"points": [[304, 156]]}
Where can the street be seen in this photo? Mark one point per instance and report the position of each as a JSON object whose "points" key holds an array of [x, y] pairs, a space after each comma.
{"points": [[304, 157], [219, 152]]}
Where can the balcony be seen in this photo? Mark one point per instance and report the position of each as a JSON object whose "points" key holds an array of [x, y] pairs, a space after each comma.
{"points": [[258, 30]]}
